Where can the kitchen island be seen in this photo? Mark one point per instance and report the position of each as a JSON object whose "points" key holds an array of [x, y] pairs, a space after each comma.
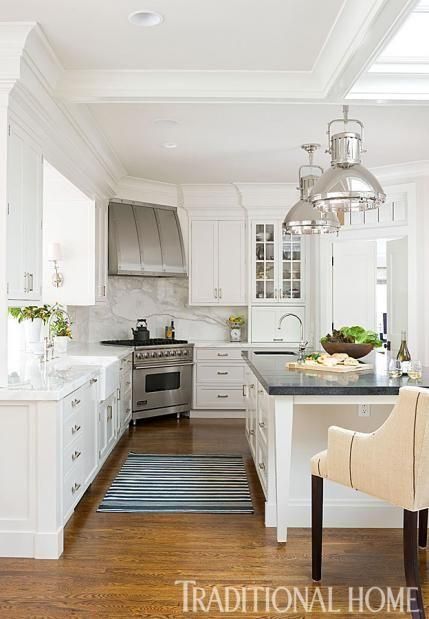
{"points": [[287, 413]]}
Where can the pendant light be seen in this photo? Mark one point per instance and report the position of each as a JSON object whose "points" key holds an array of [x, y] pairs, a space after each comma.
{"points": [[303, 218], [347, 186]]}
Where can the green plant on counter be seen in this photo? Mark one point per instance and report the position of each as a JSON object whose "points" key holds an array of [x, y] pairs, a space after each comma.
{"points": [[31, 312], [236, 321], [353, 335], [60, 325]]}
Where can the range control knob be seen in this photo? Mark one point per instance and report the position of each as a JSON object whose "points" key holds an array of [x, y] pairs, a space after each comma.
{"points": [[179, 353], [153, 354], [160, 354], [185, 352], [138, 355], [173, 353]]}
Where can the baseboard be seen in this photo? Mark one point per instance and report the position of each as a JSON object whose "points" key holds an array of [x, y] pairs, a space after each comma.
{"points": [[217, 414], [339, 513], [29, 545]]}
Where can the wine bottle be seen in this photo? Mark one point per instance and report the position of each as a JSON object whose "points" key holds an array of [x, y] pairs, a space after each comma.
{"points": [[404, 354], [173, 331]]}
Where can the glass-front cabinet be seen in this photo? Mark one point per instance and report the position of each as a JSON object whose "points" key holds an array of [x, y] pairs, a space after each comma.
{"points": [[277, 264]]}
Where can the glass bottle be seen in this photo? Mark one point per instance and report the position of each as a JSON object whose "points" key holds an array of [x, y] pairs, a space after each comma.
{"points": [[404, 354]]}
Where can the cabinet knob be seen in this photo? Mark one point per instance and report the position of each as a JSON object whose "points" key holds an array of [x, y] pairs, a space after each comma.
{"points": [[261, 466], [261, 424], [76, 455], [252, 432], [93, 380], [75, 487], [75, 429], [75, 402]]}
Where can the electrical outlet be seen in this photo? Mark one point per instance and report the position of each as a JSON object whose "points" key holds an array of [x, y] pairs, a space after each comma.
{"points": [[364, 410]]}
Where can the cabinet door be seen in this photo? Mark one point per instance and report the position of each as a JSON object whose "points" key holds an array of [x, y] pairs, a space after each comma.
{"points": [[90, 432], [264, 262], [25, 217], [101, 266], [111, 412], [266, 321], [102, 430], [232, 263], [291, 267], [204, 263]]}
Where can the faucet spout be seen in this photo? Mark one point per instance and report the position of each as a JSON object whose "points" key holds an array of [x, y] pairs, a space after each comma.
{"points": [[302, 344]]}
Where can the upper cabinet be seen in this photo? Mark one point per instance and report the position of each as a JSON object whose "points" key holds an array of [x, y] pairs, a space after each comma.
{"points": [[277, 264], [217, 262], [24, 217]]}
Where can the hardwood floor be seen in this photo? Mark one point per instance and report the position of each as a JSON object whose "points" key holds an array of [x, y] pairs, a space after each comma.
{"points": [[125, 565]]}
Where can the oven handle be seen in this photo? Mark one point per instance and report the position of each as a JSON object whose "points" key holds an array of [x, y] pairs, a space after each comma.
{"points": [[152, 367]]}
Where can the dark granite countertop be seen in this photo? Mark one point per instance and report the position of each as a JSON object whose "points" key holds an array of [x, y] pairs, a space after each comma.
{"points": [[277, 379]]}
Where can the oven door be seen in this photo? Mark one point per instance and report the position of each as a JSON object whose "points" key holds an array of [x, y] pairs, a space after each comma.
{"points": [[163, 388]]}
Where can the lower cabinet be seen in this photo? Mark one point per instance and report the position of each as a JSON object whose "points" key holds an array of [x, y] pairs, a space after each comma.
{"points": [[260, 436], [219, 379], [107, 414], [125, 395]]}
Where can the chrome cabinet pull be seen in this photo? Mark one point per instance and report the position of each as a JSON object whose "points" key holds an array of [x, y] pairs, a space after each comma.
{"points": [[220, 293], [75, 429], [223, 373], [215, 293], [75, 402], [222, 395], [277, 339], [262, 466], [30, 282], [93, 380], [75, 487], [110, 413], [76, 455], [25, 282], [223, 354], [252, 432], [245, 392], [261, 424]]}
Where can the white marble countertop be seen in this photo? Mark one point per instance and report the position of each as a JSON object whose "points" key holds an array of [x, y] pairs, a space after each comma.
{"points": [[29, 379]]}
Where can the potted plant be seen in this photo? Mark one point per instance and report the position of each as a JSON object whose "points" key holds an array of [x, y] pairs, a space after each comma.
{"points": [[235, 323], [60, 329], [33, 318]]}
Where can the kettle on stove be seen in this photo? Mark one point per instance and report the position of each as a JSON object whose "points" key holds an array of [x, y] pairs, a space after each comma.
{"points": [[141, 332]]}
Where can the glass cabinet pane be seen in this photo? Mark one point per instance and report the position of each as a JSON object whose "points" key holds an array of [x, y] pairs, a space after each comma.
{"points": [[291, 267], [265, 267]]}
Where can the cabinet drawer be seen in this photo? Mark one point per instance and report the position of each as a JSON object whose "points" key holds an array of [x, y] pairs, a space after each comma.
{"points": [[72, 427], [74, 402], [73, 454], [73, 487], [218, 397], [261, 464], [217, 354], [222, 373]]}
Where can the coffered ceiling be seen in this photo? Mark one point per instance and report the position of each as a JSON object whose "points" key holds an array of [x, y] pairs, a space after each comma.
{"points": [[224, 90]]}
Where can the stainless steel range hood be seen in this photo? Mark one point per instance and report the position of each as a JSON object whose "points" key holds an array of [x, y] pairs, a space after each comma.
{"points": [[145, 240]]}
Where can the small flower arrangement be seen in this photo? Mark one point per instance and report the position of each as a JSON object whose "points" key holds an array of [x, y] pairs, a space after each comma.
{"points": [[235, 322]]}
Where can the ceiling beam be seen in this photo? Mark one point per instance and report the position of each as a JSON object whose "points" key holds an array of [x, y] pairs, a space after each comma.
{"points": [[379, 26]]}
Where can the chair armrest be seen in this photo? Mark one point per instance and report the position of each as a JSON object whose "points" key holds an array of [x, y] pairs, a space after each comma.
{"points": [[339, 449]]}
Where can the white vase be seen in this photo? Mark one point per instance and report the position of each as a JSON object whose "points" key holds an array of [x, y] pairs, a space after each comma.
{"points": [[33, 329], [60, 344]]}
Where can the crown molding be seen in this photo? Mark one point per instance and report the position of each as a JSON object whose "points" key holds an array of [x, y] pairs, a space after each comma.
{"points": [[267, 195], [402, 172], [392, 86], [202, 196], [146, 190]]}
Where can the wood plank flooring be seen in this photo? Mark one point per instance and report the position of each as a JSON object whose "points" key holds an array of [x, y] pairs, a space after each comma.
{"points": [[125, 565]]}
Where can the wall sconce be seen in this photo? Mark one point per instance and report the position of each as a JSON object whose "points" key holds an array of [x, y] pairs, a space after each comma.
{"points": [[54, 256]]}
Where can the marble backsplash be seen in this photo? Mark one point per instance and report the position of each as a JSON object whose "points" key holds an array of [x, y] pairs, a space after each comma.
{"points": [[158, 299]]}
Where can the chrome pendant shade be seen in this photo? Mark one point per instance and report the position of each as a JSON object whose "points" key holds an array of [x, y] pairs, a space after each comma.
{"points": [[303, 218], [347, 186]]}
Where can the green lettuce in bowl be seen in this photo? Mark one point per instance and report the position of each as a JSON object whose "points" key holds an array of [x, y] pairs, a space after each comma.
{"points": [[354, 341]]}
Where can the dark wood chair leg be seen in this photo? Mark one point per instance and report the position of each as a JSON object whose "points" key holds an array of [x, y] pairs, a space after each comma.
{"points": [[423, 528], [411, 564], [316, 526]]}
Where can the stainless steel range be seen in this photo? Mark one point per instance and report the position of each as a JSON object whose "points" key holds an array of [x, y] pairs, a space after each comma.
{"points": [[162, 376]]}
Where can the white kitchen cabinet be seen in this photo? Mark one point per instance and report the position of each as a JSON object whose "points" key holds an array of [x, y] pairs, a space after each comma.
{"points": [[217, 262], [90, 439], [125, 399], [101, 249], [106, 425], [265, 324], [219, 379], [24, 217], [278, 265]]}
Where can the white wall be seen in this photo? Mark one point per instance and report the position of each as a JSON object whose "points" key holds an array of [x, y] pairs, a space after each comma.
{"points": [[68, 219]]}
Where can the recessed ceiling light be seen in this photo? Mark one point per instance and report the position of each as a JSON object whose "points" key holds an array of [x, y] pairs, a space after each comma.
{"points": [[170, 145], [145, 18]]}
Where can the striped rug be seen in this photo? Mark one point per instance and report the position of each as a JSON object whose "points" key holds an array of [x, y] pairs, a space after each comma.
{"points": [[215, 484]]}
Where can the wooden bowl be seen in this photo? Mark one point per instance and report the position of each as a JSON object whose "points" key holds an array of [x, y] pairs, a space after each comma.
{"points": [[352, 350]]}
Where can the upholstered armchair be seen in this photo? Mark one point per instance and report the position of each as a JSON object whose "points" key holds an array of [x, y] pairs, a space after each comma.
{"points": [[391, 464]]}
